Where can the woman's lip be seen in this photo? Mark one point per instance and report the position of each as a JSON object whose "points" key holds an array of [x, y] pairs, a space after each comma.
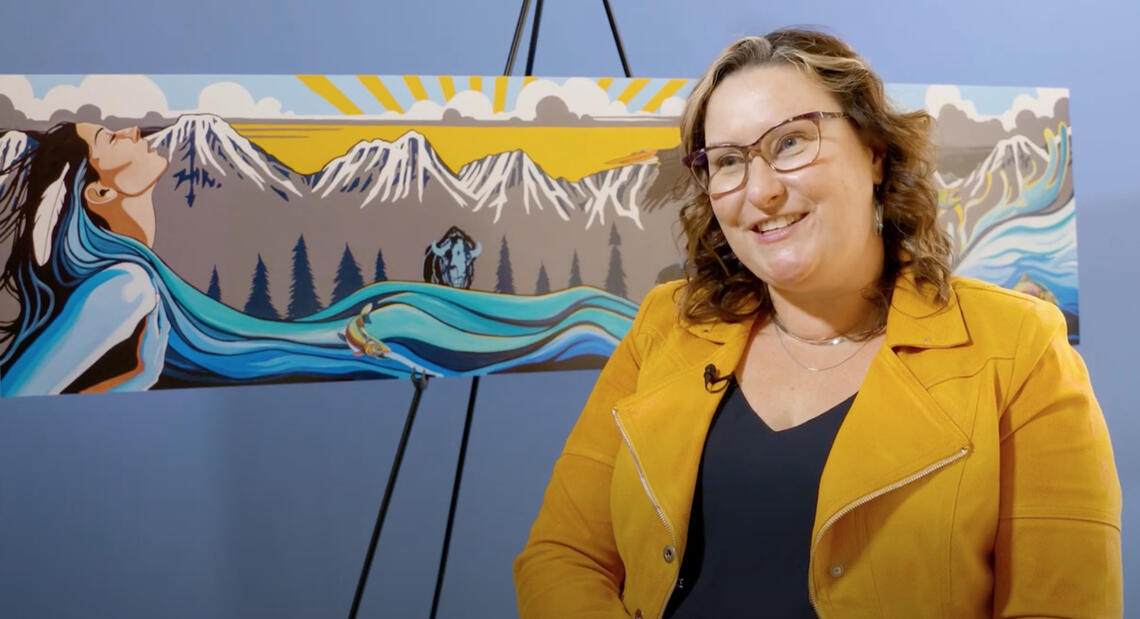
{"points": [[776, 235]]}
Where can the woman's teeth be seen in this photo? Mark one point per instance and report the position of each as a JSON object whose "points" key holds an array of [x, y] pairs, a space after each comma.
{"points": [[776, 223]]}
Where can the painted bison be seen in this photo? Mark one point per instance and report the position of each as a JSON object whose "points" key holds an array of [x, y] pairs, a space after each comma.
{"points": [[451, 260]]}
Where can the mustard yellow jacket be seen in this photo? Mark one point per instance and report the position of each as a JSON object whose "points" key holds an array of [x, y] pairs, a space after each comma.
{"points": [[972, 476]]}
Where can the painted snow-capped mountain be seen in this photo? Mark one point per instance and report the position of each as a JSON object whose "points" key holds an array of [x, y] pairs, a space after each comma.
{"points": [[12, 145], [388, 171], [620, 190], [1006, 184], [487, 181], [205, 151], [1017, 158]]}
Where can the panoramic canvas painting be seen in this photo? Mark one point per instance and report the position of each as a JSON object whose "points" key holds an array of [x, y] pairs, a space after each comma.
{"points": [[199, 230]]}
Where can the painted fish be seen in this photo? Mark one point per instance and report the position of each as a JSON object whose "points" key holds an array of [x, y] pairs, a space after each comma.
{"points": [[1034, 288], [361, 343]]}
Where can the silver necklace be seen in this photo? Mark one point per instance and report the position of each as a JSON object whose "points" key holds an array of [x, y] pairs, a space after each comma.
{"points": [[862, 336], [812, 341], [780, 332]]}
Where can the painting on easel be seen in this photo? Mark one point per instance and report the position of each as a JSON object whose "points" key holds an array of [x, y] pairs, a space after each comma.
{"points": [[197, 230]]}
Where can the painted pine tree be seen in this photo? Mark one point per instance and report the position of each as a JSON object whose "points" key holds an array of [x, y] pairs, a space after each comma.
{"points": [[303, 299], [259, 304], [348, 277], [542, 286], [381, 272], [615, 277], [215, 289], [505, 281], [575, 271]]}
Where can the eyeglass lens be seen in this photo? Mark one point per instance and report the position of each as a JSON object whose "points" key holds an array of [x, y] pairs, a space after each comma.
{"points": [[787, 147]]}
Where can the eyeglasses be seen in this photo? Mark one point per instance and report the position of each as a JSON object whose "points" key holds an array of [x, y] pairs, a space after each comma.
{"points": [[790, 145]]}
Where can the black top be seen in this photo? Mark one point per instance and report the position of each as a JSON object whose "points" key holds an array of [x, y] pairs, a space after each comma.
{"points": [[753, 510]]}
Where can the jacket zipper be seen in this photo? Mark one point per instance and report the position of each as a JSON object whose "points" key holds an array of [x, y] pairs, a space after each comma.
{"points": [[961, 453], [653, 500]]}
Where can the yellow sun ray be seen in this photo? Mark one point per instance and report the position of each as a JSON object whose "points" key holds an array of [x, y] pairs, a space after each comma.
{"points": [[528, 79], [416, 87], [329, 92], [475, 83], [447, 85], [378, 90], [668, 90], [631, 91], [500, 93], [605, 82]]}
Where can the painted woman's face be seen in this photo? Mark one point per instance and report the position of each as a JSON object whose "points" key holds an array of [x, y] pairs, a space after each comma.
{"points": [[124, 161]]}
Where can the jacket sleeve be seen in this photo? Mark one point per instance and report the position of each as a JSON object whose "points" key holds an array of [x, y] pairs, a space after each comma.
{"points": [[1057, 550], [570, 566]]}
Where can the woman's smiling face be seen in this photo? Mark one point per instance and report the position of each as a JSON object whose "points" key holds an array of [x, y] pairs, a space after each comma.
{"points": [[806, 231]]}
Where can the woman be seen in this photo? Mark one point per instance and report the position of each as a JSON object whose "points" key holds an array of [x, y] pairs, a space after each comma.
{"points": [[820, 420], [77, 175]]}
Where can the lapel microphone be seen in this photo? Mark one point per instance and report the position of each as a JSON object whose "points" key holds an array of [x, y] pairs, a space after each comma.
{"points": [[713, 378]]}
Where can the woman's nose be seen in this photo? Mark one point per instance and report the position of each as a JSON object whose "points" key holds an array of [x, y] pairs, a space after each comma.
{"points": [[765, 187]]}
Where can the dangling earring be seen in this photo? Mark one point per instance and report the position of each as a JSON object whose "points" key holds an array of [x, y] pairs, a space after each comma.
{"points": [[877, 210]]}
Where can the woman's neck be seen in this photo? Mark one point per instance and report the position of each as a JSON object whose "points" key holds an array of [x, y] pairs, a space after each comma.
{"points": [[826, 315], [132, 216]]}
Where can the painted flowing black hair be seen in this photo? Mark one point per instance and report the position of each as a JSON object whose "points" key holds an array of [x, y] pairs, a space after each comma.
{"points": [[30, 162]]}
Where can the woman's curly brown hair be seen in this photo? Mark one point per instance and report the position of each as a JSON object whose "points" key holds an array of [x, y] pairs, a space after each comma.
{"points": [[717, 286]]}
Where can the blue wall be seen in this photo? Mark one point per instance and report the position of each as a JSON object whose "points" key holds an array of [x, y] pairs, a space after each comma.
{"points": [[258, 502]]}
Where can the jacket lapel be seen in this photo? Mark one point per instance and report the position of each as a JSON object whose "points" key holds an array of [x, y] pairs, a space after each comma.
{"points": [[895, 429], [666, 423]]}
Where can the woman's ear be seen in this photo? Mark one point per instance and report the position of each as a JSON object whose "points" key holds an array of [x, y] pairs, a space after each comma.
{"points": [[98, 194], [877, 158]]}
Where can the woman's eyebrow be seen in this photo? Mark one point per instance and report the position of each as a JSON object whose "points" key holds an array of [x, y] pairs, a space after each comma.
{"points": [[96, 138]]}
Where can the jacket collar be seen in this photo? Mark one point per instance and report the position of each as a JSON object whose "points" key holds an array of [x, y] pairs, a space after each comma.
{"points": [[917, 320]]}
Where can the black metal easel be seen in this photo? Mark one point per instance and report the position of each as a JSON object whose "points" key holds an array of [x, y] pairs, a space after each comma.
{"points": [[420, 380]]}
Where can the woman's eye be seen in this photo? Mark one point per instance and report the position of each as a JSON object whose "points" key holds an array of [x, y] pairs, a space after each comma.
{"points": [[792, 141], [728, 160]]}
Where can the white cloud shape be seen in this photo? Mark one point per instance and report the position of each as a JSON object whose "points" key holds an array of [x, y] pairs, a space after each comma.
{"points": [[472, 103], [581, 96], [117, 95], [673, 106], [423, 110], [469, 103], [940, 95], [232, 100], [18, 90], [133, 96]]}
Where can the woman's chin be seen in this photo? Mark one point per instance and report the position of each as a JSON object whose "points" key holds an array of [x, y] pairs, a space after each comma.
{"points": [[788, 276]]}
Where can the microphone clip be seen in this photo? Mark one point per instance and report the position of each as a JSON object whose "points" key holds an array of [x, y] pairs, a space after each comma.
{"points": [[713, 379]]}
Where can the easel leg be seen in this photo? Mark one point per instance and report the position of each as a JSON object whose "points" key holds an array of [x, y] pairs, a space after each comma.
{"points": [[420, 382], [454, 495]]}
